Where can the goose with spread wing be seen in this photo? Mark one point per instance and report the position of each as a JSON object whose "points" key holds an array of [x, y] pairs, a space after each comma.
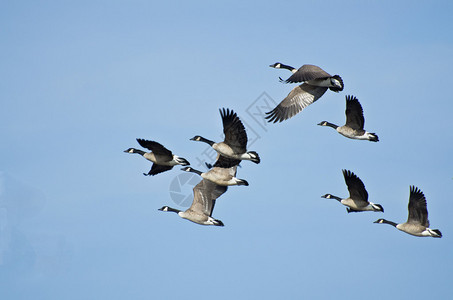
{"points": [[315, 80], [235, 143], [355, 121], [205, 194], [162, 158], [417, 223], [358, 195]]}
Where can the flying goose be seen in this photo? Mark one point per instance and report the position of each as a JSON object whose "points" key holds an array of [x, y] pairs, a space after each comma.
{"points": [[358, 196], [353, 128], [316, 82], [205, 194], [417, 222], [222, 173], [162, 158], [235, 142]]}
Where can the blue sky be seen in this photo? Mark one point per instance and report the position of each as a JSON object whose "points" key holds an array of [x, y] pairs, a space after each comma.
{"points": [[80, 81]]}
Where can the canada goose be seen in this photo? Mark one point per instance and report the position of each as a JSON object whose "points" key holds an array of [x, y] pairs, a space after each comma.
{"points": [[162, 158], [205, 194], [417, 222], [316, 82], [222, 173], [353, 128], [235, 142], [358, 196]]}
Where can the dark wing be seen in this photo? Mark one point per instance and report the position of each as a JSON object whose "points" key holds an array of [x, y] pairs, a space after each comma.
{"points": [[205, 194], [356, 187], [306, 73], [418, 213], [299, 98], [155, 147], [226, 162], [156, 169], [354, 113], [234, 130]]}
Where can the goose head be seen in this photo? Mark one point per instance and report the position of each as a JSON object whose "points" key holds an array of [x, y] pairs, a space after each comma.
{"points": [[277, 65], [130, 150], [327, 196], [196, 138], [323, 123], [187, 169], [168, 208], [164, 208]]}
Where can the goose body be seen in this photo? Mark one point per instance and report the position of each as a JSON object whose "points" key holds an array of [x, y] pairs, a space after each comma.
{"points": [[222, 173], [355, 121], [235, 143], [315, 80], [200, 212], [162, 158], [417, 223], [358, 195]]}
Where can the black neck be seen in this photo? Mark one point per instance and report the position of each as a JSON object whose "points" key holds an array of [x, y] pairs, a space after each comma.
{"points": [[173, 209], [139, 151], [202, 139], [193, 171], [331, 125], [282, 66], [335, 197], [389, 222]]}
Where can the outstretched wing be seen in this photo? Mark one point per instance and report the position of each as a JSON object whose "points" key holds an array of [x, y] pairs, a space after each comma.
{"points": [[156, 169], [226, 162], [354, 113], [306, 73], [205, 194], [418, 213], [356, 187], [234, 130], [299, 98], [155, 147]]}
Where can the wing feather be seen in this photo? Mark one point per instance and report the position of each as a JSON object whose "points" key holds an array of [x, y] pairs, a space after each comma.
{"points": [[356, 187], [418, 213], [298, 99], [205, 194], [234, 130], [354, 113], [156, 148], [306, 73]]}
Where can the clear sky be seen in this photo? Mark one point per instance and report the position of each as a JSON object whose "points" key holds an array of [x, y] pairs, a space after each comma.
{"points": [[81, 80]]}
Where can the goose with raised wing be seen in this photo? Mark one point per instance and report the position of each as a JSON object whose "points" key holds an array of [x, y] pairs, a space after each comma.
{"points": [[162, 158], [358, 195], [355, 121], [205, 194], [235, 143], [315, 80], [417, 223]]}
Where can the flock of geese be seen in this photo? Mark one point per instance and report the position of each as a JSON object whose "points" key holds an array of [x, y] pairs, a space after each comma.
{"points": [[233, 149]]}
